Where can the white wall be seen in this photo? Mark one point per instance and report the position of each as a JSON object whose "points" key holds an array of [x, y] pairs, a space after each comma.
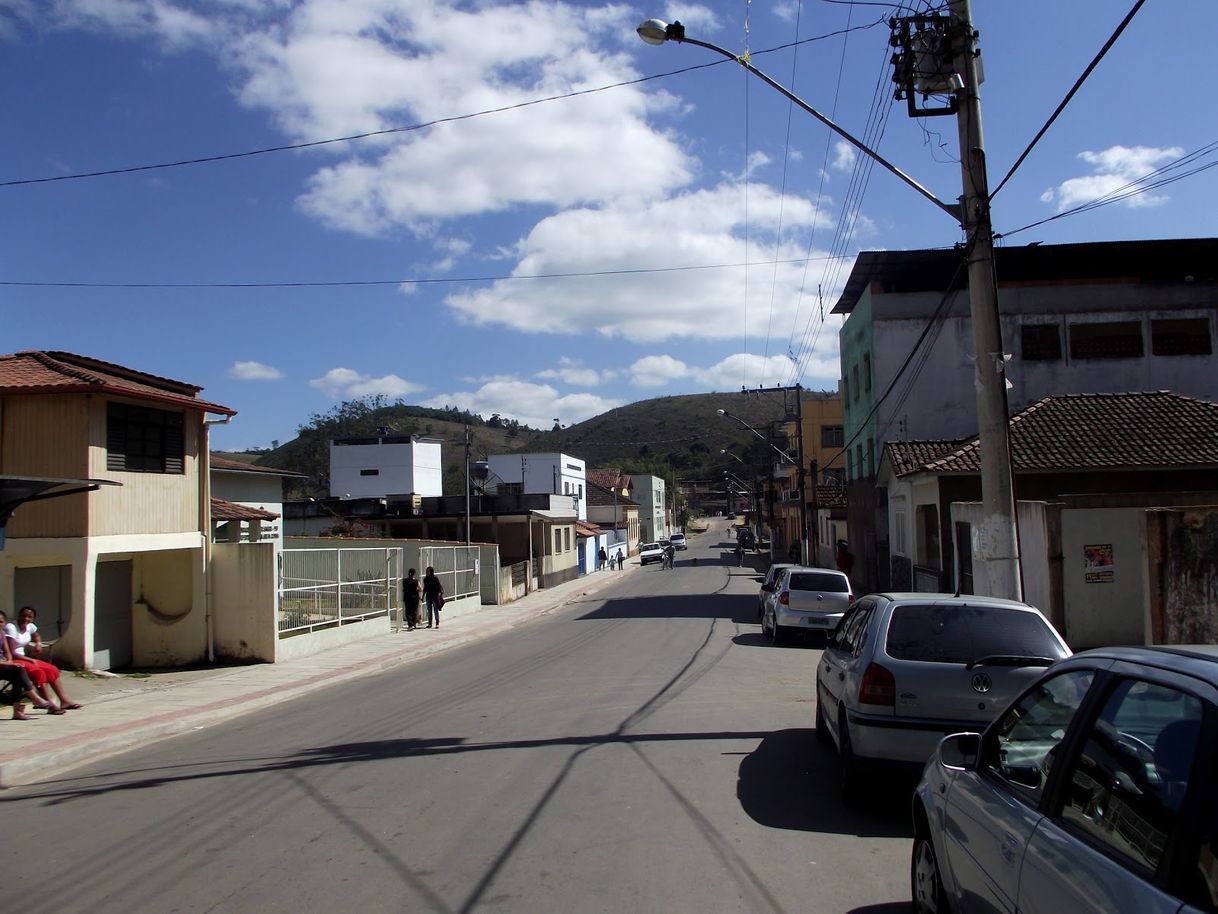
{"points": [[537, 474], [386, 468], [1099, 611]]}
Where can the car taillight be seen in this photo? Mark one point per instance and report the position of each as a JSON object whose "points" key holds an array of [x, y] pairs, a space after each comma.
{"points": [[878, 687], [850, 599], [784, 598]]}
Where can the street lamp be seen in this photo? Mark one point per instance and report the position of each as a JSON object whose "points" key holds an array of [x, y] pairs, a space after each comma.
{"points": [[733, 456], [998, 534]]}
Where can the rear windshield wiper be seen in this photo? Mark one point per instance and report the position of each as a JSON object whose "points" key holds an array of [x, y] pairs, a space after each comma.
{"points": [[1010, 660]]}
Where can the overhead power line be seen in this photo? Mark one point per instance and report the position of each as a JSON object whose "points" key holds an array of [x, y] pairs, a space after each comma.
{"points": [[432, 280], [311, 144], [1078, 83]]}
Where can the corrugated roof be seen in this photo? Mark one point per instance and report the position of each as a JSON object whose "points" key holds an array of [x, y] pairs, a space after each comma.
{"points": [[51, 372]]}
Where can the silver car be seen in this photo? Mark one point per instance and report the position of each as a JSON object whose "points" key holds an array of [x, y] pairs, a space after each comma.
{"points": [[1092, 792], [773, 573], [902, 670], [807, 599]]}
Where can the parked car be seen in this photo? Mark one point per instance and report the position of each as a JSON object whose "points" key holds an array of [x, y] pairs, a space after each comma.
{"points": [[678, 541], [810, 599], [767, 585], [902, 670], [731, 517], [650, 552], [1093, 791]]}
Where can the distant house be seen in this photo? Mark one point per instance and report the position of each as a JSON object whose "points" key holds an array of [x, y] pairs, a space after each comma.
{"points": [[247, 501], [652, 498], [1090, 471], [117, 575], [614, 511]]}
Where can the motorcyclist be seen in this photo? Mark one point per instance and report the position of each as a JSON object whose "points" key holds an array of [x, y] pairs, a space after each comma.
{"points": [[670, 553]]}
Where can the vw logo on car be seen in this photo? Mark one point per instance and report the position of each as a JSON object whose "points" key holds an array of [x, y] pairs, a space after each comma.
{"points": [[981, 683]]}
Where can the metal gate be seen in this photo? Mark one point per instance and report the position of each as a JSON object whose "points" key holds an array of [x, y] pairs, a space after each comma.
{"points": [[457, 568], [323, 588]]}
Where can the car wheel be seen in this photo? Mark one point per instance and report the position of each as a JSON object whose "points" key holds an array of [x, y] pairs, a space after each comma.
{"points": [[851, 775], [822, 725], [925, 883], [776, 633]]}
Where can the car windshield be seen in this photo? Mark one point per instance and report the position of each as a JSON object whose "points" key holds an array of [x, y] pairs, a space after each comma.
{"points": [[938, 633], [818, 580]]}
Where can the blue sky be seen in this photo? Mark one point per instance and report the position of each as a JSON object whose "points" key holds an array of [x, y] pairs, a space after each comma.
{"points": [[408, 264]]}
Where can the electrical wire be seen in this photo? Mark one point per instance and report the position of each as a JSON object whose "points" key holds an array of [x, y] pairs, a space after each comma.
{"points": [[311, 144], [1078, 83], [354, 283], [949, 293], [1131, 188]]}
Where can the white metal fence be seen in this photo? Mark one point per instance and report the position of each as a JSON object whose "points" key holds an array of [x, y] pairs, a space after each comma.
{"points": [[457, 568], [321, 588]]}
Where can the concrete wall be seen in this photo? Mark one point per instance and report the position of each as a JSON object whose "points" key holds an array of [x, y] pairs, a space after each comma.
{"points": [[244, 607], [1105, 591], [399, 468], [168, 624]]}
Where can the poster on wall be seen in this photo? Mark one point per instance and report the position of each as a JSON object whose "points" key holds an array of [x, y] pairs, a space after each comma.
{"points": [[1098, 567]]}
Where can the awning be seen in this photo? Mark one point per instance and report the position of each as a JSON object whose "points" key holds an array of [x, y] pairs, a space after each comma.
{"points": [[15, 491]]}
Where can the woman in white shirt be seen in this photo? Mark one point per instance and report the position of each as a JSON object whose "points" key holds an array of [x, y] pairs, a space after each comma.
{"points": [[23, 645]]}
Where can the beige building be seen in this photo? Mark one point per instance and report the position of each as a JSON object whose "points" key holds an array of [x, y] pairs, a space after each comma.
{"points": [[118, 575]]}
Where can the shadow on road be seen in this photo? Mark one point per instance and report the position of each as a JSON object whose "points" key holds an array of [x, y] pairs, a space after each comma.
{"points": [[790, 781], [739, 608]]}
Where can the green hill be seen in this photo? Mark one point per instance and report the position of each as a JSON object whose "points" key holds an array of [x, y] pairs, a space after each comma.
{"points": [[663, 436]]}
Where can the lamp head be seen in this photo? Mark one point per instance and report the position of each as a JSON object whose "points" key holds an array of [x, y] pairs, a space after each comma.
{"points": [[654, 31], [721, 412]]}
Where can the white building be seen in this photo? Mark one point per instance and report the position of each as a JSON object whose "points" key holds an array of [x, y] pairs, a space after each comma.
{"points": [[386, 465], [536, 474], [650, 493]]}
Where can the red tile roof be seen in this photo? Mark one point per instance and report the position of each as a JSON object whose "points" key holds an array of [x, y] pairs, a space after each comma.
{"points": [[912, 456], [584, 528], [52, 372], [1144, 431], [228, 510], [224, 463]]}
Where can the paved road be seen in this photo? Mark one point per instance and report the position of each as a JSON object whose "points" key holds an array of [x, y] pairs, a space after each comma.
{"points": [[643, 751]]}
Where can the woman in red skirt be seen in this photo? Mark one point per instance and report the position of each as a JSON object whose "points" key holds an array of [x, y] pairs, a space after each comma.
{"points": [[23, 645]]}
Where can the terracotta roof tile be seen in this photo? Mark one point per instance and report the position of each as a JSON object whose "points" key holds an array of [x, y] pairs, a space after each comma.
{"points": [[224, 463], [601, 497], [912, 456], [49, 372], [228, 510], [1152, 430]]}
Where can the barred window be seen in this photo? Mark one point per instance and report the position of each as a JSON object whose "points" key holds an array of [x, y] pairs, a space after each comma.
{"points": [[1040, 343], [1181, 336], [832, 436], [143, 440], [1115, 340]]}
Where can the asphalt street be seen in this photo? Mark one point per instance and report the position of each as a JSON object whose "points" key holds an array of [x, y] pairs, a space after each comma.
{"points": [[642, 750]]}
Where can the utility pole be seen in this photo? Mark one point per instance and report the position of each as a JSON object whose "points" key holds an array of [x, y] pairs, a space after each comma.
{"points": [[467, 517], [999, 541], [805, 556], [937, 56]]}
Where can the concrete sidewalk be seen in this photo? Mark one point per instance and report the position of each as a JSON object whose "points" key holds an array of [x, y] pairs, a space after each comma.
{"points": [[125, 711]]}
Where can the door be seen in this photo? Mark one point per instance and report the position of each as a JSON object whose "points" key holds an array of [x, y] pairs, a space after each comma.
{"points": [[839, 654], [112, 616]]}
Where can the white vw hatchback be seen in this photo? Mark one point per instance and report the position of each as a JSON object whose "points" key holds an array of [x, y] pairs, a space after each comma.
{"points": [[903, 670]]}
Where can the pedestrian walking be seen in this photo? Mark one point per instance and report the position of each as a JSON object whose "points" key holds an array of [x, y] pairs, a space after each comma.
{"points": [[670, 555], [602, 558], [433, 595], [620, 559], [410, 599]]}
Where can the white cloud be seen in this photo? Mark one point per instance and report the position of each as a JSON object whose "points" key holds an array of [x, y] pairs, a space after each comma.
{"points": [[535, 405], [700, 20], [254, 371], [745, 369], [844, 156], [1114, 168], [574, 372], [703, 228], [657, 370], [347, 384]]}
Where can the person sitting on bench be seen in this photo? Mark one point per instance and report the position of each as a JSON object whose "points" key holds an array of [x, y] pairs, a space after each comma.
{"points": [[15, 673], [22, 644]]}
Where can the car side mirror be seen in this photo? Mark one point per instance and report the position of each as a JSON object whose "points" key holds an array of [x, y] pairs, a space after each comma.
{"points": [[960, 751]]}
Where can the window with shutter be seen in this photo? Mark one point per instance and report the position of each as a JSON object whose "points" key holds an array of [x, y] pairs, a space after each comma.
{"points": [[144, 440]]}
